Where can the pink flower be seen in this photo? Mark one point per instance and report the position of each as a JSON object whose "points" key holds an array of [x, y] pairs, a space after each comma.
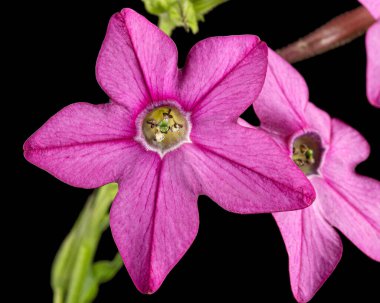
{"points": [[372, 41], [327, 151], [167, 136]]}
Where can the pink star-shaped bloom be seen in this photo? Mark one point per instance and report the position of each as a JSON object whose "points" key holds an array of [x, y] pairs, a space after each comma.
{"points": [[372, 41], [327, 150], [167, 136]]}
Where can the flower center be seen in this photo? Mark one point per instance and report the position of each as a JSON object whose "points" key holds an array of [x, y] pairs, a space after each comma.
{"points": [[164, 128], [307, 153]]}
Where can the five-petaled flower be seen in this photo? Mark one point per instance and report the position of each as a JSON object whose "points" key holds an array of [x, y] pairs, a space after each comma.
{"points": [[372, 41], [167, 136], [327, 151]]}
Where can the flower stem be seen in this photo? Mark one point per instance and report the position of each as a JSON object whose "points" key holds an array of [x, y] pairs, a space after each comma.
{"points": [[58, 295], [337, 32], [75, 275], [78, 277]]}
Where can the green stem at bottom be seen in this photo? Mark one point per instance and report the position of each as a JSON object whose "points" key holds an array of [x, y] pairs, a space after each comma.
{"points": [[75, 276], [58, 295]]}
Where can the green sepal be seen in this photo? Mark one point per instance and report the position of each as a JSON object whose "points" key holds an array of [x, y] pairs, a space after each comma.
{"points": [[180, 13], [203, 7]]}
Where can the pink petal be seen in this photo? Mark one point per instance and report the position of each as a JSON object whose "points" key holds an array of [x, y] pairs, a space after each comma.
{"points": [[84, 145], [373, 64], [319, 121], [347, 148], [313, 246], [154, 218], [244, 170], [283, 144], [351, 203], [137, 63], [281, 104], [373, 6], [223, 76]]}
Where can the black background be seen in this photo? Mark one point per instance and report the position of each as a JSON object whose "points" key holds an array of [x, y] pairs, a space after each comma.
{"points": [[233, 257]]}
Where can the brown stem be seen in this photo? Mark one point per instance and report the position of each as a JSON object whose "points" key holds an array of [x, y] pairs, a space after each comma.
{"points": [[335, 33]]}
